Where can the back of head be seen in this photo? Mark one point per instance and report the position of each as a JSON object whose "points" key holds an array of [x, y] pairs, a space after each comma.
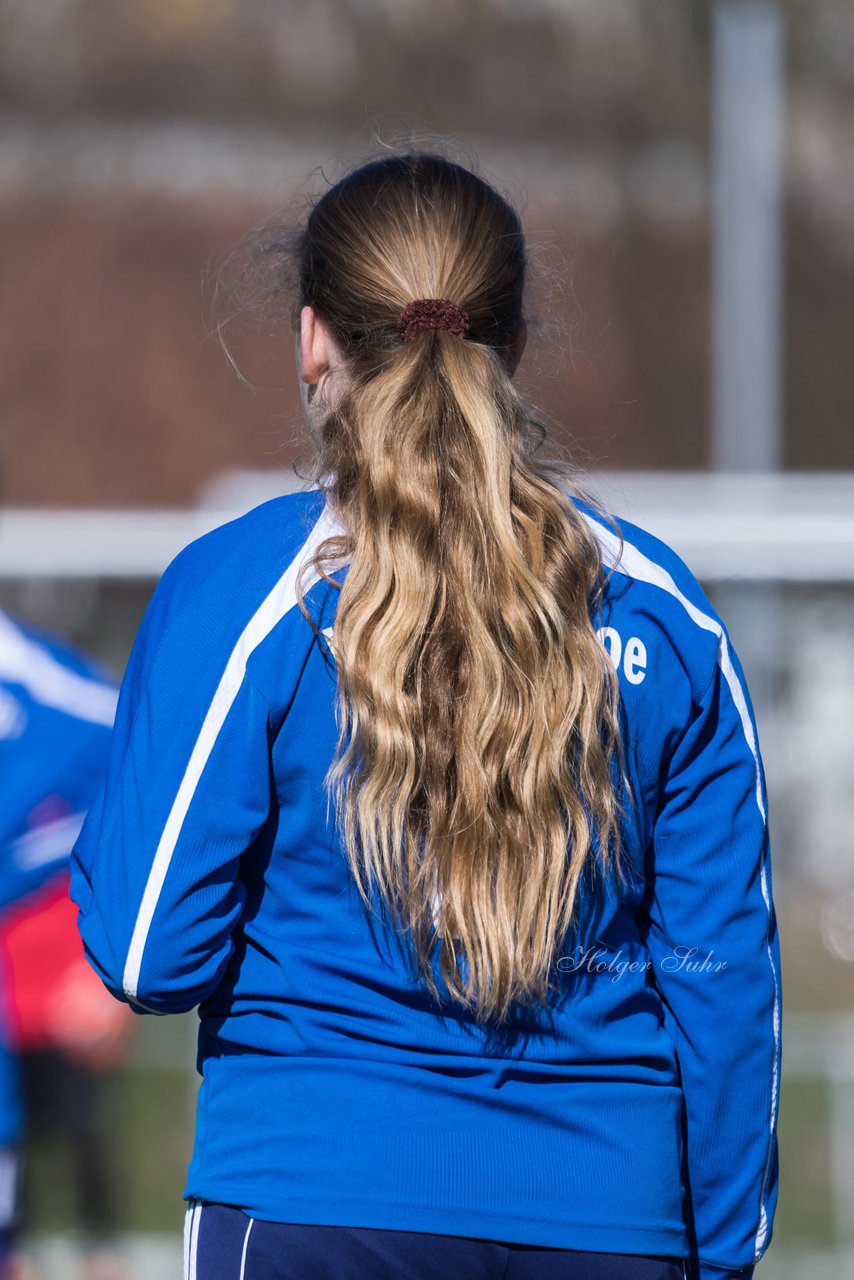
{"points": [[478, 709], [410, 227]]}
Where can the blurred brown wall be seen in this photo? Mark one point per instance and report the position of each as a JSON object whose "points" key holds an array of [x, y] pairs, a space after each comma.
{"points": [[113, 392]]}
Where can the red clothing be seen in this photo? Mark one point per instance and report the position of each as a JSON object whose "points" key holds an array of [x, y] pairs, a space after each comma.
{"points": [[54, 997]]}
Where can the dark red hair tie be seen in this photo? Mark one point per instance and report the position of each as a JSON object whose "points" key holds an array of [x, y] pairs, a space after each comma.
{"points": [[432, 313]]}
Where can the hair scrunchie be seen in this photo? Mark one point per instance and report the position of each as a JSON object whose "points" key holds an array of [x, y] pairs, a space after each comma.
{"points": [[432, 313]]}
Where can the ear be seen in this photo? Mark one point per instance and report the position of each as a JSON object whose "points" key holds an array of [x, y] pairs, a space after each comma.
{"points": [[317, 348], [517, 347]]}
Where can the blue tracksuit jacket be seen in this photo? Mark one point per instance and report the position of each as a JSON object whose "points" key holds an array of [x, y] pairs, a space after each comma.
{"points": [[56, 718], [638, 1114]]}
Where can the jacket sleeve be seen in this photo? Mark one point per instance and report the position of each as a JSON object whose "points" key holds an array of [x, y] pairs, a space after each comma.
{"points": [[155, 869], [712, 937], [69, 759]]}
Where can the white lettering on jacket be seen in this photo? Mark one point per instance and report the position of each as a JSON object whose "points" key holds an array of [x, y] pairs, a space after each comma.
{"points": [[632, 654]]}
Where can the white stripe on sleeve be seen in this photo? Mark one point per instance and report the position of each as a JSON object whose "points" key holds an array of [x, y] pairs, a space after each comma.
{"points": [[280, 600]]}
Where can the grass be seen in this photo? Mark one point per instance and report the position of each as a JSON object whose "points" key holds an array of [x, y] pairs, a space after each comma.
{"points": [[150, 1128]]}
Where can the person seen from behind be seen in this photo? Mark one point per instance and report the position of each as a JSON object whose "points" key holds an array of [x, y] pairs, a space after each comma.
{"points": [[437, 788]]}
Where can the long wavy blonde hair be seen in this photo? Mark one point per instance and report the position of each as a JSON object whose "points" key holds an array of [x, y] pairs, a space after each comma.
{"points": [[477, 707]]}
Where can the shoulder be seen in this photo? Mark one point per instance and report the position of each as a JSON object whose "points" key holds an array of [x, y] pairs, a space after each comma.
{"points": [[227, 591], [259, 541], [651, 590], [237, 563]]}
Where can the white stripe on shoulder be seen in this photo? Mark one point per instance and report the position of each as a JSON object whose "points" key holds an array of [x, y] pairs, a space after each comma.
{"points": [[632, 561], [280, 600], [47, 681], [640, 567], [635, 564]]}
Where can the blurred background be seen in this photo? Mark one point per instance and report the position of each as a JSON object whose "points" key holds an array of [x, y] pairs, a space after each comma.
{"points": [[685, 173]]}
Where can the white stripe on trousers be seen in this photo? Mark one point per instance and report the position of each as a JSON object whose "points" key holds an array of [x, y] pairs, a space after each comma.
{"points": [[192, 1221], [245, 1248]]}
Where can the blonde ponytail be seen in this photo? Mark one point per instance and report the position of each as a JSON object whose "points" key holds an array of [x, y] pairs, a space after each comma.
{"points": [[478, 709]]}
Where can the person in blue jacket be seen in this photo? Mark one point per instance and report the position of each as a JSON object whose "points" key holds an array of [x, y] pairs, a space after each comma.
{"points": [[57, 707], [438, 790]]}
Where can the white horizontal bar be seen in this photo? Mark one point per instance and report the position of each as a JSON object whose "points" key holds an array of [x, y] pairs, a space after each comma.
{"points": [[46, 543], [796, 527]]}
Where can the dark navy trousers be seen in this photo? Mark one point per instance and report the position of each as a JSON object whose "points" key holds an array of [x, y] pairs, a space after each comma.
{"points": [[221, 1243]]}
